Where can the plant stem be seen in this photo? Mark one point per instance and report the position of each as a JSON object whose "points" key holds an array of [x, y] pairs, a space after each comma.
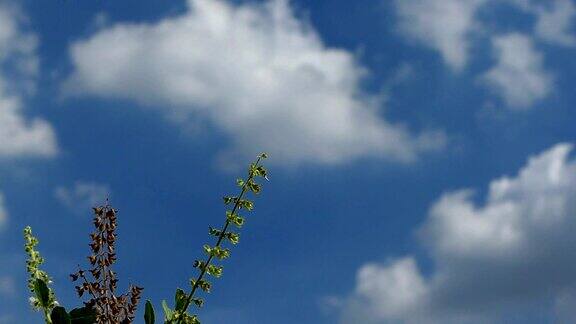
{"points": [[47, 316], [218, 243]]}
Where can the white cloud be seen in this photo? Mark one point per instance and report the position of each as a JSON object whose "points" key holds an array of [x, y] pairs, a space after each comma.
{"points": [[449, 26], [389, 291], [519, 76], [255, 72], [554, 20], [18, 72], [488, 258], [442, 25], [556, 23], [82, 196]]}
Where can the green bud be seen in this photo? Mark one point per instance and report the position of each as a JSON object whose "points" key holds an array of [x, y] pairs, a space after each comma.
{"points": [[214, 232], [234, 238], [199, 264], [246, 204], [228, 200], [220, 253], [207, 249], [198, 301], [203, 284], [215, 271], [234, 218], [253, 186]]}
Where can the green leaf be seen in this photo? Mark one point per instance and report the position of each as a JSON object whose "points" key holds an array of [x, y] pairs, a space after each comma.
{"points": [[83, 315], [167, 311], [149, 317], [60, 316], [42, 292], [180, 300]]}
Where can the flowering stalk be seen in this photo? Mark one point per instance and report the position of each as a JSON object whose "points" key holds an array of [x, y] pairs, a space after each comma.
{"points": [[182, 300], [110, 309], [43, 298], [100, 282]]}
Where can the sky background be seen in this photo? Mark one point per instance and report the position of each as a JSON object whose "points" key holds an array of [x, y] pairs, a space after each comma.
{"points": [[421, 153]]}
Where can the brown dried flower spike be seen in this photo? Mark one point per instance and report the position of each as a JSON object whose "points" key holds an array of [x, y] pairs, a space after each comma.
{"points": [[101, 284]]}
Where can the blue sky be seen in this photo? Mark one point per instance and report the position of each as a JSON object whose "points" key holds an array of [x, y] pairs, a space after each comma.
{"points": [[421, 157]]}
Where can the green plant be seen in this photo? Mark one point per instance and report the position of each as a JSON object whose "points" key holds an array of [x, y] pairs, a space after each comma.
{"points": [[43, 298], [100, 283], [180, 315]]}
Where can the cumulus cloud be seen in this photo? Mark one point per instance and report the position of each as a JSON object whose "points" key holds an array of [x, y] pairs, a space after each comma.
{"points": [[554, 20], [387, 292], [450, 26], [447, 26], [519, 76], [253, 71], [442, 25], [513, 248], [556, 23], [19, 136], [81, 196]]}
